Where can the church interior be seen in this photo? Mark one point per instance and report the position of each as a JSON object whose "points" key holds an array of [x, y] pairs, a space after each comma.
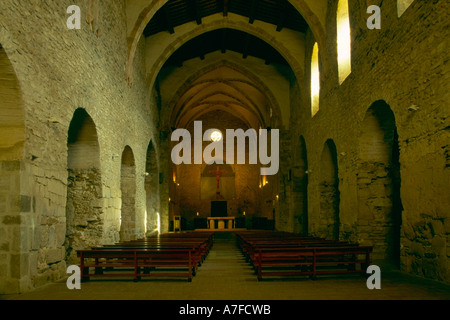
{"points": [[92, 93]]}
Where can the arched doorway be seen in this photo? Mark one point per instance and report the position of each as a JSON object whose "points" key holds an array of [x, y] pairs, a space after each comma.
{"points": [[84, 186], [299, 178], [380, 207], [12, 202], [128, 188], [329, 192], [152, 191]]}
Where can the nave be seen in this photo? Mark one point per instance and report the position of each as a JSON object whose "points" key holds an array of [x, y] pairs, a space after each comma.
{"points": [[226, 275]]}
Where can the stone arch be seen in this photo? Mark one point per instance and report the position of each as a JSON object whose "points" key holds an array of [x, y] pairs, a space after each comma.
{"points": [[254, 82], [13, 202], [152, 191], [84, 223], [140, 14], [329, 192], [296, 64], [380, 207], [128, 188], [299, 178], [12, 112]]}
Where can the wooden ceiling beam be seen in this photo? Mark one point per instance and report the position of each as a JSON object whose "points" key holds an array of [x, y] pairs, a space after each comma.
{"points": [[169, 22], [196, 11], [253, 11], [225, 7], [282, 16]]}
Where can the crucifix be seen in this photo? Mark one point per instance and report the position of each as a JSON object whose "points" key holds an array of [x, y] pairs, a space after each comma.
{"points": [[218, 172]]}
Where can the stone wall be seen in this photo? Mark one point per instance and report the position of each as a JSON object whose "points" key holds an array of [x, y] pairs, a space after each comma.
{"points": [[48, 72], [404, 65], [58, 71]]}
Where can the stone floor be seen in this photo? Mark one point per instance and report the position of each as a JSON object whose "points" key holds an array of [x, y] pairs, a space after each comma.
{"points": [[226, 276]]}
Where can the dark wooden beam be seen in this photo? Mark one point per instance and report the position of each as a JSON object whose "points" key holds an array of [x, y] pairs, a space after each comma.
{"points": [[253, 11], [282, 16], [224, 41], [169, 23], [196, 11], [225, 7]]}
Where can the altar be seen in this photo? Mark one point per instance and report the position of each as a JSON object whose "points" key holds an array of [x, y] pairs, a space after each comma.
{"points": [[223, 223]]}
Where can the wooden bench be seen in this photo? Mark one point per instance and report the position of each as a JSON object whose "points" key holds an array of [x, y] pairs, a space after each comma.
{"points": [[283, 253], [168, 255], [312, 261], [197, 252], [137, 263]]}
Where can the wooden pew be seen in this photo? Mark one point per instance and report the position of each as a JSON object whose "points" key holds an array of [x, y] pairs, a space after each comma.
{"points": [[282, 253], [141, 262], [168, 255], [312, 261]]}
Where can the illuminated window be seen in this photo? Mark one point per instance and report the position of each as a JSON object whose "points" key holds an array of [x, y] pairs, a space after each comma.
{"points": [[315, 80], [343, 40], [402, 5]]}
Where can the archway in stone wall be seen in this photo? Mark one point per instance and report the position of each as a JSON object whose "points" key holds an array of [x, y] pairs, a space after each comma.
{"points": [[329, 192], [12, 114], [84, 186], [128, 188], [12, 201], [380, 207], [152, 191], [299, 178]]}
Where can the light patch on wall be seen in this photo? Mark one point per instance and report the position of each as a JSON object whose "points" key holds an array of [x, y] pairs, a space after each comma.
{"points": [[145, 222], [343, 41], [402, 5], [315, 80], [158, 221]]}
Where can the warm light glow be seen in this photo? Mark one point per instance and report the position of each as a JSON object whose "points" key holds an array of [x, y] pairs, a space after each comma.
{"points": [[243, 213], [198, 213], [343, 41], [174, 177], [216, 136], [145, 222], [278, 197], [158, 221], [315, 80]]}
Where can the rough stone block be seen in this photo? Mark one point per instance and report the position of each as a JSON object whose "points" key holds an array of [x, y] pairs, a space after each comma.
{"points": [[25, 203], [54, 255], [60, 234], [12, 220]]}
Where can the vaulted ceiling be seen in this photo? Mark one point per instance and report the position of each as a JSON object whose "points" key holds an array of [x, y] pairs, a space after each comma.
{"points": [[174, 13], [280, 13], [223, 40]]}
